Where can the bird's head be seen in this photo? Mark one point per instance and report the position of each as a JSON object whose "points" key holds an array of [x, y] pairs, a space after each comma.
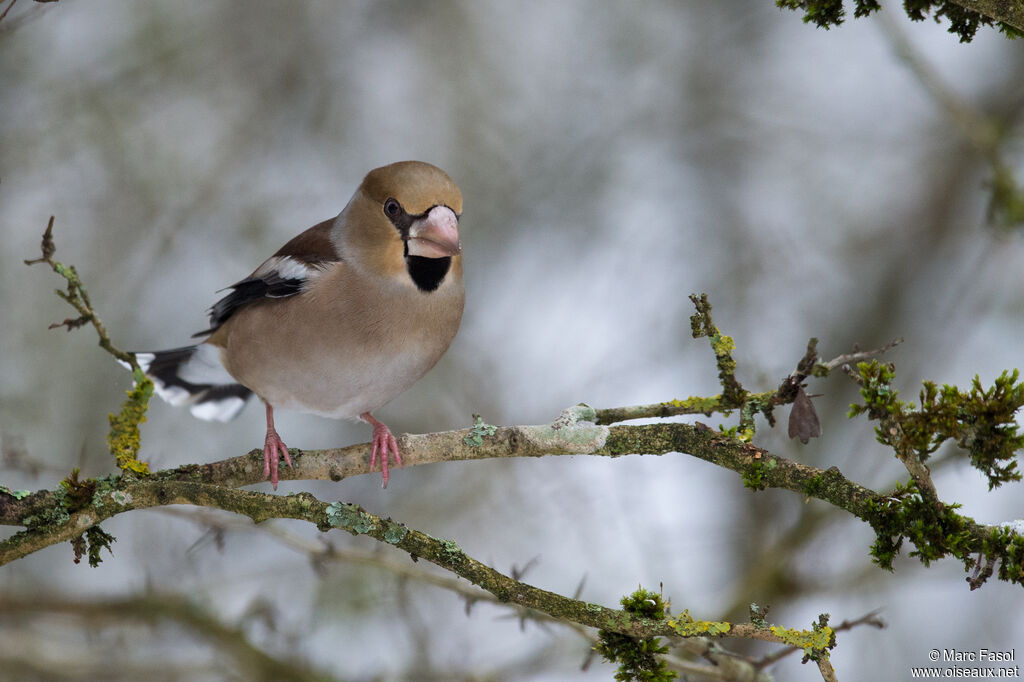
{"points": [[405, 216]]}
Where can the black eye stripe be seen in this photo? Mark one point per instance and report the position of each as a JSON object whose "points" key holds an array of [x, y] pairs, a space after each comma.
{"points": [[398, 217], [394, 210], [402, 220]]}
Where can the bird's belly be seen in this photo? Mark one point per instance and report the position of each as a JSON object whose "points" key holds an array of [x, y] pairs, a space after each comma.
{"points": [[344, 387], [335, 368]]}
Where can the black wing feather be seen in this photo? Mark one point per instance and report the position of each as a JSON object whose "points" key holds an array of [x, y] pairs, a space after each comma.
{"points": [[313, 250], [249, 291]]}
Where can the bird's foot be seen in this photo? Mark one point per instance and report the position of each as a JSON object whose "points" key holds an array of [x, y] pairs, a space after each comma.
{"points": [[384, 445], [273, 449]]}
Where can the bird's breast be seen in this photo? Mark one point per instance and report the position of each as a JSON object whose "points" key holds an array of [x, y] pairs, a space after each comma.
{"points": [[347, 345]]}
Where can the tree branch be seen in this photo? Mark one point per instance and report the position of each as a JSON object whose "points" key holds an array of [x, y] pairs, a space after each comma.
{"points": [[1007, 11], [74, 511], [723, 664], [447, 554], [48, 522], [964, 16], [570, 434]]}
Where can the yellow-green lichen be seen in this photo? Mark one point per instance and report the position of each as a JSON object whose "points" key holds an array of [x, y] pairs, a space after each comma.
{"points": [[124, 439], [722, 344], [697, 403], [687, 626], [813, 642]]}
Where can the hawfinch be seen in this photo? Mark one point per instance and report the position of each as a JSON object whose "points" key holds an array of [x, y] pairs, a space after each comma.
{"points": [[339, 321]]}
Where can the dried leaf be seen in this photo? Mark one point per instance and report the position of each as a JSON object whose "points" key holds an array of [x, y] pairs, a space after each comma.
{"points": [[803, 420]]}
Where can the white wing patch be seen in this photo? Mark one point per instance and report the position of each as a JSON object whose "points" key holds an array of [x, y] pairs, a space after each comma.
{"points": [[173, 395], [144, 360], [218, 410], [195, 376], [286, 267], [204, 367]]}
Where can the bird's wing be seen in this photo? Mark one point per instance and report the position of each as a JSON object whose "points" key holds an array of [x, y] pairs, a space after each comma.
{"points": [[286, 273]]}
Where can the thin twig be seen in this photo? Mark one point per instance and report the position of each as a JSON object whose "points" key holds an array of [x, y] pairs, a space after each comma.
{"points": [[77, 297], [859, 355], [828, 673], [870, 618], [785, 394], [8, 9]]}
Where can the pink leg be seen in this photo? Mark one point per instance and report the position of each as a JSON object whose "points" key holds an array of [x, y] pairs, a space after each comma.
{"points": [[273, 449], [384, 444]]}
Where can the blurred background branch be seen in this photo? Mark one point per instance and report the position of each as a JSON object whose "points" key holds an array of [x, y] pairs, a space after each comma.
{"points": [[102, 616], [991, 134]]}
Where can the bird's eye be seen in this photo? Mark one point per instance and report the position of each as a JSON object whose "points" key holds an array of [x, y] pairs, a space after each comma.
{"points": [[392, 208]]}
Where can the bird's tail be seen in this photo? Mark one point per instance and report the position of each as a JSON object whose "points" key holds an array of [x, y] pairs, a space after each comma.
{"points": [[194, 376]]}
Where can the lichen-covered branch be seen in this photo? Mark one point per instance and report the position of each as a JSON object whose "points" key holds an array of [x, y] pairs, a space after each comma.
{"points": [[871, 619], [152, 492], [913, 513], [903, 514], [710, 658], [980, 421], [702, 325], [964, 16], [123, 438], [890, 428], [571, 434], [1008, 12], [809, 365]]}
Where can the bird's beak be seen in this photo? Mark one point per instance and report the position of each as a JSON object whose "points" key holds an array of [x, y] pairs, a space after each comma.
{"points": [[436, 235]]}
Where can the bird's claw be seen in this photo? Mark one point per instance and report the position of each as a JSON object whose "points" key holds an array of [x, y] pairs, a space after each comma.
{"points": [[384, 445], [273, 449]]}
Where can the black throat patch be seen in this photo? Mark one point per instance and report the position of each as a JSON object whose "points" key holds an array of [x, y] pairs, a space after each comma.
{"points": [[427, 273]]}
